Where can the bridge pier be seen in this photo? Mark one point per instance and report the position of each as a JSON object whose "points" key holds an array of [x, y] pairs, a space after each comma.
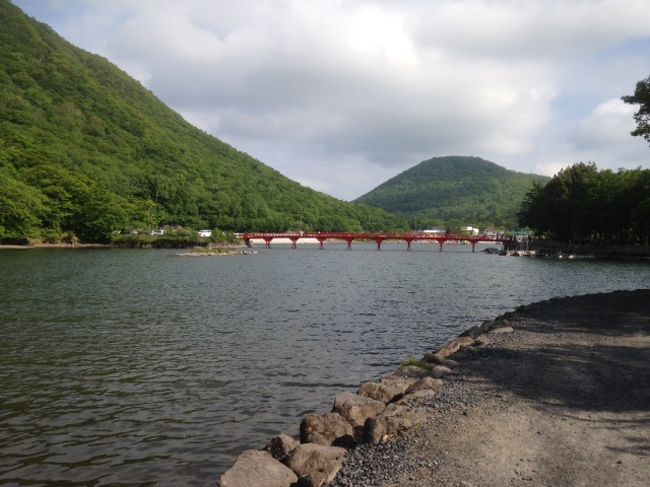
{"points": [[408, 244], [294, 240], [379, 241], [267, 242], [474, 242], [321, 241], [441, 243], [349, 241]]}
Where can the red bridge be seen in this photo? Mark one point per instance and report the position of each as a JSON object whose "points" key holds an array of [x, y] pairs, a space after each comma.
{"points": [[379, 238]]}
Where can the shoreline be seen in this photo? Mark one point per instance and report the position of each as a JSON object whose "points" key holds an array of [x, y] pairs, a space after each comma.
{"points": [[490, 408], [115, 246]]}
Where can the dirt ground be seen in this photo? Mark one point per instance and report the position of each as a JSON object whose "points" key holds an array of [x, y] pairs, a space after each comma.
{"points": [[563, 400]]}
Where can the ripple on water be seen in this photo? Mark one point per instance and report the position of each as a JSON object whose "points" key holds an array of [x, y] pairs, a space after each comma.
{"points": [[135, 367]]}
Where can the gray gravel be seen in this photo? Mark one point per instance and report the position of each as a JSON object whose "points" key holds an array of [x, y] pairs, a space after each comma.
{"points": [[563, 400]]}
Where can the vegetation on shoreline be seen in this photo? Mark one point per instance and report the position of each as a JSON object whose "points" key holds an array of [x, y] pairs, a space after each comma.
{"points": [[86, 151], [454, 191], [583, 204], [175, 238]]}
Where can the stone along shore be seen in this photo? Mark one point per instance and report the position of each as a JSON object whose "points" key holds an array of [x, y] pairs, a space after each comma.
{"points": [[554, 393]]}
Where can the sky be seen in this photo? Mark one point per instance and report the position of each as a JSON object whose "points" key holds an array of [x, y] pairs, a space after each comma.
{"points": [[341, 95]]}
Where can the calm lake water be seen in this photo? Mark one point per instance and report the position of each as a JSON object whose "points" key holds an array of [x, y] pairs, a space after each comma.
{"points": [[140, 367]]}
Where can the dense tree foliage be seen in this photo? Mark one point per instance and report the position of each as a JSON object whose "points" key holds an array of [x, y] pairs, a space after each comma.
{"points": [[447, 190], [582, 204], [642, 117], [87, 151]]}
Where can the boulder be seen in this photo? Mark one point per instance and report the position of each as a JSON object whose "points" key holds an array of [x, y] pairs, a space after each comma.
{"points": [[453, 346], [326, 429], [439, 371], [426, 383], [392, 421], [316, 464], [398, 382], [356, 409], [412, 371], [377, 391], [255, 468], [384, 391], [280, 446], [432, 358]]}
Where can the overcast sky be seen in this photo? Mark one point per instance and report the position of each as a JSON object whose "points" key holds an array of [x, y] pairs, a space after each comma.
{"points": [[341, 95]]}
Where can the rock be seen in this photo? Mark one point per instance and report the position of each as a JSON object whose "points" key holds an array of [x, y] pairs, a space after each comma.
{"points": [[255, 468], [439, 371], [482, 340], [412, 371], [398, 382], [384, 392], [426, 383], [501, 329], [473, 332], [452, 364], [453, 346], [280, 446], [326, 429], [391, 422], [316, 464], [356, 409], [432, 358]]}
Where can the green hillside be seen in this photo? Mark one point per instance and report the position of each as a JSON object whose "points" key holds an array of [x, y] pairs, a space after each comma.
{"points": [[85, 149], [454, 189]]}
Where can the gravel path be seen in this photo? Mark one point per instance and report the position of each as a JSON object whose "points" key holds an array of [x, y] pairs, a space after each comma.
{"points": [[563, 400]]}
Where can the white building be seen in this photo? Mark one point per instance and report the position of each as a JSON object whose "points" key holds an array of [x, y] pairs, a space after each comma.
{"points": [[205, 233], [435, 231]]}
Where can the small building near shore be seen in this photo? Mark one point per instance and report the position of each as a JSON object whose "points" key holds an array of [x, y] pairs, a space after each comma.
{"points": [[205, 233]]}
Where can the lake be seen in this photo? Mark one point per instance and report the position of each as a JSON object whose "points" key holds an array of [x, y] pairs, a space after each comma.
{"points": [[141, 367]]}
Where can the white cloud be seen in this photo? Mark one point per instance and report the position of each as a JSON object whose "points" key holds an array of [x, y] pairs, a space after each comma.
{"points": [[610, 123], [339, 94]]}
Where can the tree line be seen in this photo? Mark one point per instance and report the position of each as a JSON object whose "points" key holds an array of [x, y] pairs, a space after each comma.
{"points": [[583, 204]]}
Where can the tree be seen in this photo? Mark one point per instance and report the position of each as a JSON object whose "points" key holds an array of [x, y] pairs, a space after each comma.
{"points": [[642, 117]]}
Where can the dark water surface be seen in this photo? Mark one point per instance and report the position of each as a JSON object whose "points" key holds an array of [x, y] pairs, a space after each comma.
{"points": [[136, 366]]}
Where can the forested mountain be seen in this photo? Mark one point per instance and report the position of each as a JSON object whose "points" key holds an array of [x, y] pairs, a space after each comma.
{"points": [[85, 149], [454, 190]]}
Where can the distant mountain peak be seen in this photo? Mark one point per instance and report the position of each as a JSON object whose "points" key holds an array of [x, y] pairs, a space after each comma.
{"points": [[454, 188]]}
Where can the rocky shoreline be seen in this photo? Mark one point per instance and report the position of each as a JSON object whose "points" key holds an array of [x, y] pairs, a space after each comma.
{"points": [[416, 426]]}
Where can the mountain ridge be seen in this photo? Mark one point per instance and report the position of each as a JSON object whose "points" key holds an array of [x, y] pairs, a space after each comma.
{"points": [[454, 189], [87, 150]]}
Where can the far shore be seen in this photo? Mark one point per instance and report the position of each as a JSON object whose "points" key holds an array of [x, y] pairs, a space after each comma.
{"points": [[56, 246], [110, 246]]}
